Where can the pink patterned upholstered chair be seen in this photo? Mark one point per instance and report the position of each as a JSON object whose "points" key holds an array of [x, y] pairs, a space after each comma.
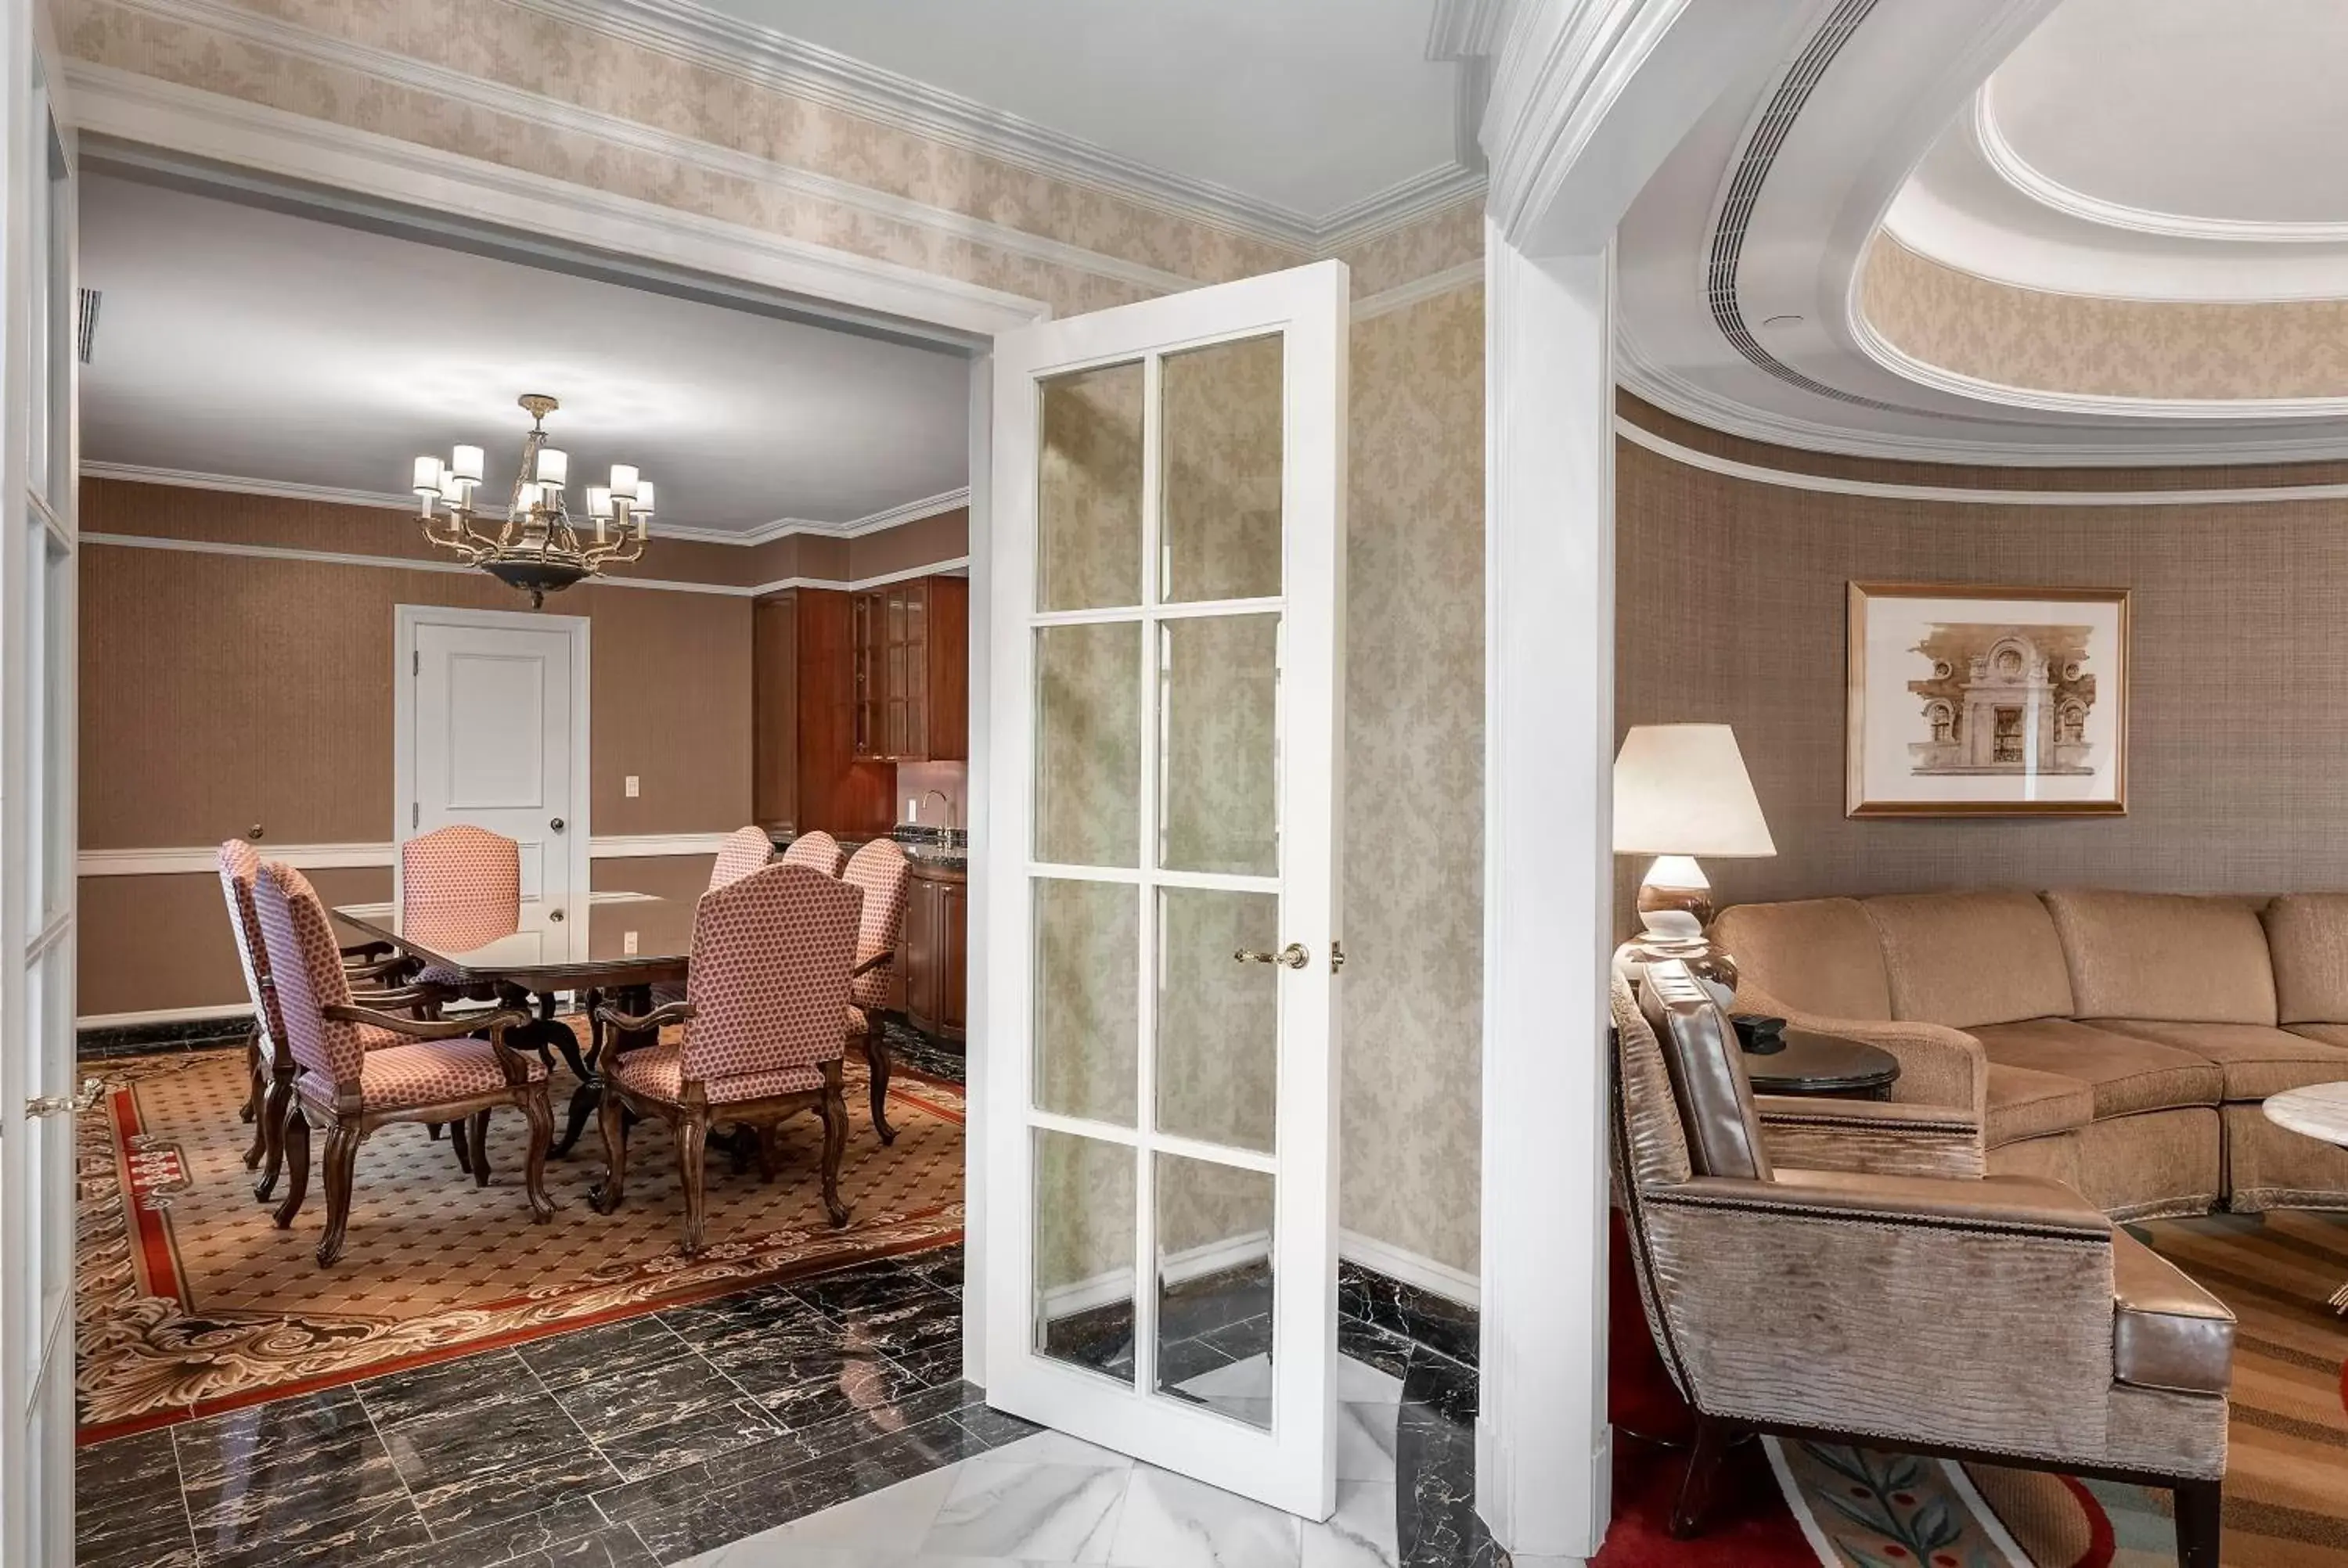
{"points": [[818, 851], [269, 1069], [361, 1068], [761, 1040], [881, 869], [463, 875], [747, 849]]}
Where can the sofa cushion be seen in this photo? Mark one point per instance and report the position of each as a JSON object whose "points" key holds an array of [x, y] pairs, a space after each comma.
{"points": [[2027, 1103], [1817, 954], [2307, 936], [2165, 956], [1967, 959], [2167, 1331], [2127, 1072], [2253, 1059], [2325, 1033]]}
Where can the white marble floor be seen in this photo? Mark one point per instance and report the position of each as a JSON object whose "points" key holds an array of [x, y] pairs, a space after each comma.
{"points": [[1050, 1500]]}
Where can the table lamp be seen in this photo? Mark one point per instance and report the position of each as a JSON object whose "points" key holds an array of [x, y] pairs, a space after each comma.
{"points": [[1682, 791]]}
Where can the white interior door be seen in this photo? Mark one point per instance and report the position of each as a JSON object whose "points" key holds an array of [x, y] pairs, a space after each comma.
{"points": [[1160, 1130], [496, 733], [37, 816]]}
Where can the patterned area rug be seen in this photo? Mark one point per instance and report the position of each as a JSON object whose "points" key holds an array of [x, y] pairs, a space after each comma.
{"points": [[191, 1301]]}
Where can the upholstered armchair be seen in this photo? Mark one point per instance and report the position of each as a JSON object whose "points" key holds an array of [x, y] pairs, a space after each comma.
{"points": [[818, 851], [458, 871], [2002, 1319], [362, 1068], [761, 1039], [269, 1069], [881, 869]]}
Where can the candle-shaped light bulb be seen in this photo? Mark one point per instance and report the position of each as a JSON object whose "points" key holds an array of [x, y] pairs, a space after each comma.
{"points": [[624, 482], [466, 464], [553, 466], [428, 477]]}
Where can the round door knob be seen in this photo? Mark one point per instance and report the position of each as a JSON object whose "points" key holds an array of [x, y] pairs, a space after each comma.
{"points": [[555, 915], [556, 824]]}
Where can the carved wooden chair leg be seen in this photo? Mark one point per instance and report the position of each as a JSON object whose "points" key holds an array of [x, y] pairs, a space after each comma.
{"points": [[540, 1112], [692, 1150], [459, 1138], [1712, 1436], [296, 1135], [876, 1051], [481, 1141], [769, 1151], [604, 1196], [2200, 1509], [432, 1130], [341, 1162], [254, 1090], [274, 1113], [834, 1109]]}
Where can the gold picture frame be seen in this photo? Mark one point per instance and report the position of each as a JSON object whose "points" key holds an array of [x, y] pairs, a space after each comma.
{"points": [[1983, 700]]}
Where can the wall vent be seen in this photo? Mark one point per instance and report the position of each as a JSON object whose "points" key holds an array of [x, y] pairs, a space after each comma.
{"points": [[86, 328]]}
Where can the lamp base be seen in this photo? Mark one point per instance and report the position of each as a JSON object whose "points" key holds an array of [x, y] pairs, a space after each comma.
{"points": [[1675, 907]]}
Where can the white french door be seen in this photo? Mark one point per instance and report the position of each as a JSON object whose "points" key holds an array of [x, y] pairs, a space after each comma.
{"points": [[1168, 590], [37, 814]]}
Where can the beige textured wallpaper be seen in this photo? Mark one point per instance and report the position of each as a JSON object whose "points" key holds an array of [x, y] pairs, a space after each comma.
{"points": [[1731, 608]]}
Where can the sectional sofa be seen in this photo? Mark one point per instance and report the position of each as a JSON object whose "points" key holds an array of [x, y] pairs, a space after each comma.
{"points": [[2119, 1042]]}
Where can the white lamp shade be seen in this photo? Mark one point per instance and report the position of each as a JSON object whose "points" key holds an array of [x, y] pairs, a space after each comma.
{"points": [[1682, 789], [465, 462], [553, 466], [624, 482], [644, 496], [428, 477], [599, 502]]}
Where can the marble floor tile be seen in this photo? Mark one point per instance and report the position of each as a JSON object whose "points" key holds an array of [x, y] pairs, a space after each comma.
{"points": [[656, 1418], [1360, 1534], [1052, 1513], [800, 1393], [1251, 1378], [446, 1389], [581, 1355], [1172, 1521], [471, 1474], [1049, 1447], [894, 1519], [1365, 1442]]}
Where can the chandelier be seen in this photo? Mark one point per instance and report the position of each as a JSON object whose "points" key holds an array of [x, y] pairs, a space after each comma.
{"points": [[536, 547]]}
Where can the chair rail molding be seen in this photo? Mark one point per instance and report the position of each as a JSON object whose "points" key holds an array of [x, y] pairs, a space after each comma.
{"points": [[203, 858]]}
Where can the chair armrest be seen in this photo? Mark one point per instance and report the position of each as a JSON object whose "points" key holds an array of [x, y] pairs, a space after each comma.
{"points": [[497, 1023], [1870, 1136], [2025, 1205], [1938, 1065], [374, 969], [886, 955], [629, 1023], [406, 996]]}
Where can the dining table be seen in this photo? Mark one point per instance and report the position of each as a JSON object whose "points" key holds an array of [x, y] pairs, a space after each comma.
{"points": [[525, 954]]}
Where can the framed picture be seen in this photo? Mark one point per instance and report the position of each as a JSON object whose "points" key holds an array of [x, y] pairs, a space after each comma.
{"points": [[1974, 700]]}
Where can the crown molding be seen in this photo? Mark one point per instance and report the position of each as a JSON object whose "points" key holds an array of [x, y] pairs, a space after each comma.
{"points": [[1467, 275], [712, 41], [2007, 161]]}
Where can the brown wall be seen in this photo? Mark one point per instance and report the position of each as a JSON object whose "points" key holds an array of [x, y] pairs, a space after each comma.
{"points": [[1731, 608]]}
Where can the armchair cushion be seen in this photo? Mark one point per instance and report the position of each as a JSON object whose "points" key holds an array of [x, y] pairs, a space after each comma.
{"points": [[2127, 1073], [2165, 956], [658, 1070], [2307, 937], [1819, 956], [1868, 1136], [1707, 1074], [1969, 959], [393, 1076], [2253, 1061], [2167, 1331], [2025, 1102]]}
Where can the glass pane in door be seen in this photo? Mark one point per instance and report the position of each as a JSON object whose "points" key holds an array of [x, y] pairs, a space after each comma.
{"points": [[1085, 1253], [1088, 489], [1089, 743], [1087, 1014], [1213, 1279], [1218, 1017], [1221, 471], [1218, 747]]}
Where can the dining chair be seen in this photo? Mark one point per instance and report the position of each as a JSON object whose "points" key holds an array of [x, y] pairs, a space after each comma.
{"points": [[761, 1039], [881, 869], [818, 851], [745, 850], [362, 1068], [269, 1070], [452, 872]]}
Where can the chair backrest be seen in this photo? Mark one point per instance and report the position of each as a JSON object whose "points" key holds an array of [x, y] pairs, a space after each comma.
{"points": [[881, 869], [818, 851], [239, 863], [460, 864], [1706, 1067], [745, 850], [305, 972], [768, 983], [1650, 1149]]}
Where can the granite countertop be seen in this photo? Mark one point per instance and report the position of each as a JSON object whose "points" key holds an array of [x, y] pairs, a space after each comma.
{"points": [[939, 848]]}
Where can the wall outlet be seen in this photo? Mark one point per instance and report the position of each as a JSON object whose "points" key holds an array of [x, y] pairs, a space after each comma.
{"points": [[628, 943], [632, 791]]}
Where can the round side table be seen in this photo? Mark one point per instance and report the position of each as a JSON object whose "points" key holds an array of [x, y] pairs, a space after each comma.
{"points": [[2318, 1111], [1814, 1063]]}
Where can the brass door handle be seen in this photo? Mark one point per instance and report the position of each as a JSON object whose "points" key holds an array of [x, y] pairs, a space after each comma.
{"points": [[1292, 956]]}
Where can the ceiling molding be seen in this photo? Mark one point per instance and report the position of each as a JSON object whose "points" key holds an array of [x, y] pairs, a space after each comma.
{"points": [[1831, 484], [2044, 188], [712, 41], [857, 528], [1467, 275]]}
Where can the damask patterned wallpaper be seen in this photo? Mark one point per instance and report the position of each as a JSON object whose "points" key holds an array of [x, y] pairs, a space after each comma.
{"points": [[1996, 332]]}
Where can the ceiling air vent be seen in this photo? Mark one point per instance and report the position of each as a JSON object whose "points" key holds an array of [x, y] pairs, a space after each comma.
{"points": [[86, 331]]}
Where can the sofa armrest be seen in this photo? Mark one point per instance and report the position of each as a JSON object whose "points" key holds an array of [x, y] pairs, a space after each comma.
{"points": [[1992, 1204], [1938, 1065], [1867, 1136]]}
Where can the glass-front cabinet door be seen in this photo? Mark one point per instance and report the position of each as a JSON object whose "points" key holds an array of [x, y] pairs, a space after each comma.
{"points": [[1167, 591]]}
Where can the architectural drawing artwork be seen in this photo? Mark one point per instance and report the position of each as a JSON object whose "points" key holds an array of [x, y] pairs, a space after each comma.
{"points": [[2004, 699]]}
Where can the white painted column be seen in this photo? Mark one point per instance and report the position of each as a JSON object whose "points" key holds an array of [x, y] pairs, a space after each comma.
{"points": [[983, 862], [1543, 1449]]}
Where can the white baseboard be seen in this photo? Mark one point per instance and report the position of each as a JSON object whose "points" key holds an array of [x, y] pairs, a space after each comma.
{"points": [[1192, 1263], [1424, 1273], [163, 1015]]}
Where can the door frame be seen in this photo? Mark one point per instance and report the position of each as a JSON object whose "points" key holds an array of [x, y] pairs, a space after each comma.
{"points": [[406, 618]]}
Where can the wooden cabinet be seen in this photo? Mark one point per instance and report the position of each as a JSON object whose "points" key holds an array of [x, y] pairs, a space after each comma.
{"points": [[912, 677], [806, 772], [937, 944]]}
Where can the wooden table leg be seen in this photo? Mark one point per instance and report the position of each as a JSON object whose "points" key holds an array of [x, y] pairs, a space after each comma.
{"points": [[587, 1097]]}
